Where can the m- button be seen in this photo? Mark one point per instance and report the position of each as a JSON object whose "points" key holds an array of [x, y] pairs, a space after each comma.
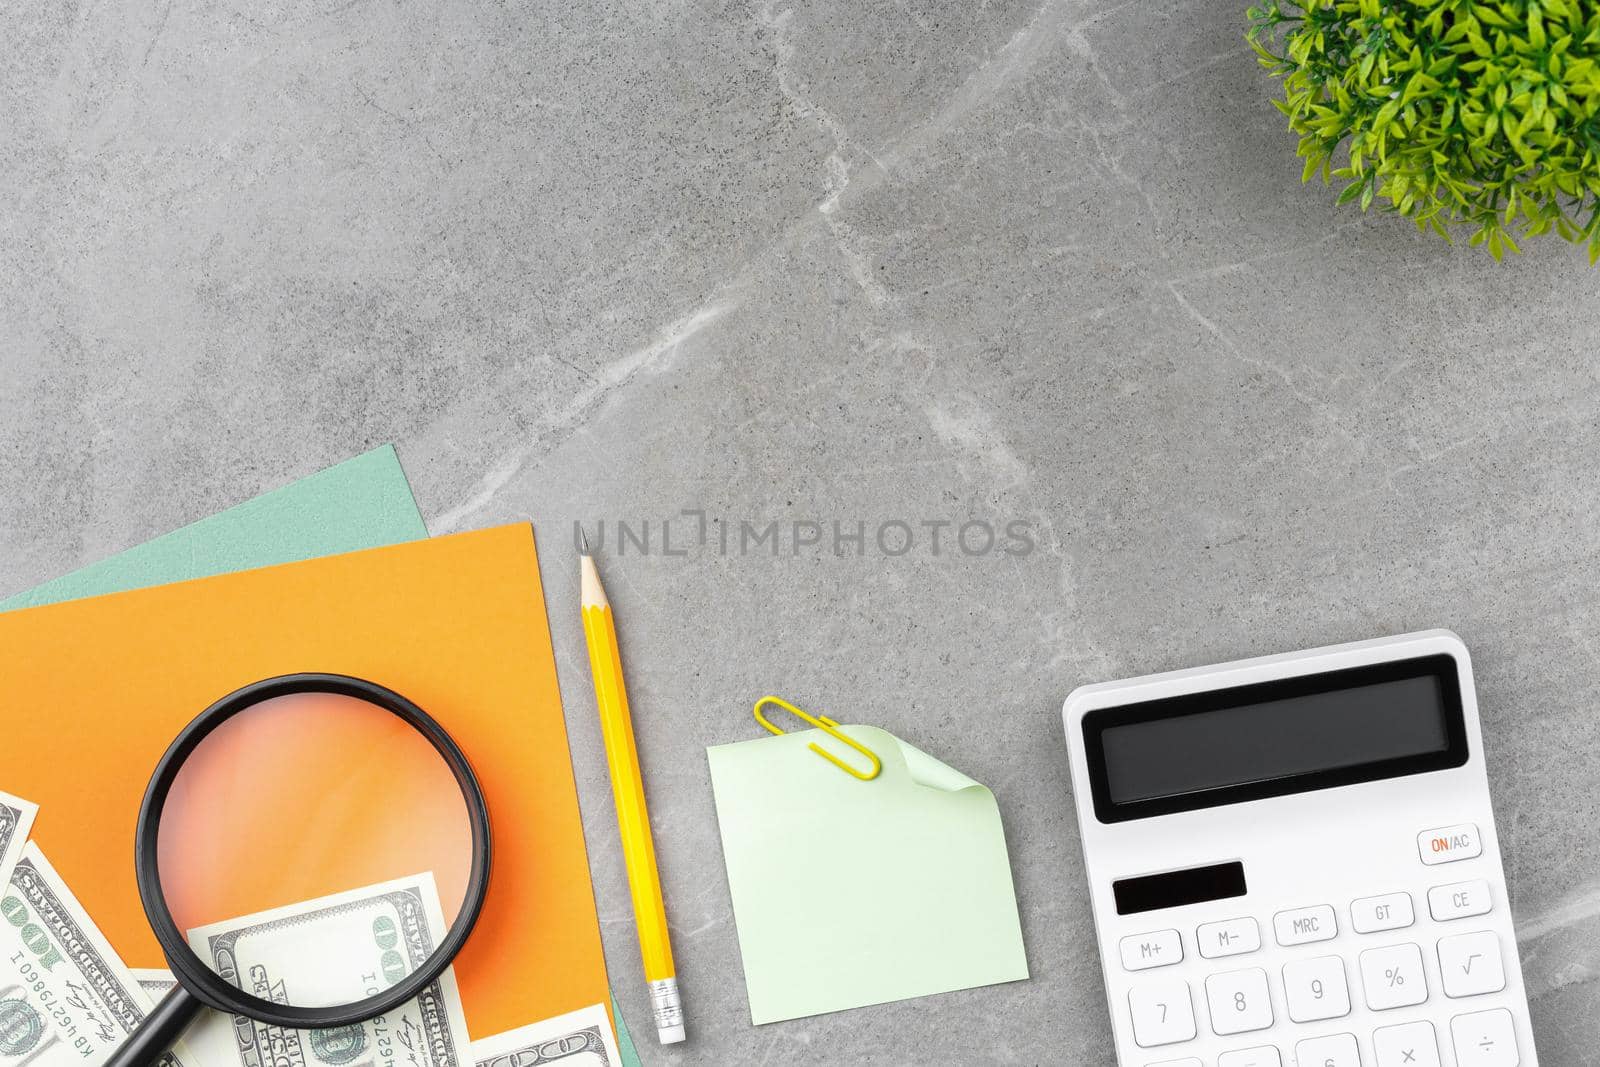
{"points": [[1160, 948], [1230, 937], [1305, 925], [1446, 844]]}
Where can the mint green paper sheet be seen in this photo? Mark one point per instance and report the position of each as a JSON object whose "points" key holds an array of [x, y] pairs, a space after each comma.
{"points": [[629, 1054], [848, 893], [361, 503]]}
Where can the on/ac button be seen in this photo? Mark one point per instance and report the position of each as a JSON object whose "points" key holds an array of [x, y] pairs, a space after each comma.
{"points": [[1449, 843]]}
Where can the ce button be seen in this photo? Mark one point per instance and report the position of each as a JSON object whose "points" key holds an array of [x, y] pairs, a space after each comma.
{"points": [[1459, 900]]}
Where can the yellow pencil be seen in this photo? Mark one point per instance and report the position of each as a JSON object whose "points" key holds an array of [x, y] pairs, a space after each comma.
{"points": [[633, 820]]}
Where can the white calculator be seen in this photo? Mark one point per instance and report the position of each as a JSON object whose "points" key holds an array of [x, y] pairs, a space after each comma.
{"points": [[1293, 862]]}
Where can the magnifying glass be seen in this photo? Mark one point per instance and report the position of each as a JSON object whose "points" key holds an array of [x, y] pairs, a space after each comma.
{"points": [[312, 852]]}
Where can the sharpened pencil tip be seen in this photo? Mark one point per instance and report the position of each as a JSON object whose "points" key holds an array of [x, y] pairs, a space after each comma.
{"points": [[583, 538]]}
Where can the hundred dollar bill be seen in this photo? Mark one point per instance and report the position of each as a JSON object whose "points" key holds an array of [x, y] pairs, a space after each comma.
{"points": [[16, 817], [327, 953], [156, 982], [581, 1038], [65, 997]]}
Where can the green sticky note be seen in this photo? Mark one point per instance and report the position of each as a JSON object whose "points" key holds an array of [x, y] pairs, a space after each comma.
{"points": [[848, 893], [361, 503]]}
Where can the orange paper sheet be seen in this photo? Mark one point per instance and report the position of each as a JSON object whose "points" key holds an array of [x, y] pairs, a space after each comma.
{"points": [[96, 689]]}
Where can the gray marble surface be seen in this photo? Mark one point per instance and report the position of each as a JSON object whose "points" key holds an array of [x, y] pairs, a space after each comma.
{"points": [[864, 262]]}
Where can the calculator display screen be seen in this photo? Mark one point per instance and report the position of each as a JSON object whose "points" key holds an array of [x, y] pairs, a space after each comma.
{"points": [[1273, 738]]}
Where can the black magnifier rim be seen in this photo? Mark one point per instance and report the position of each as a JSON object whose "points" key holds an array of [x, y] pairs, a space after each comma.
{"points": [[211, 988]]}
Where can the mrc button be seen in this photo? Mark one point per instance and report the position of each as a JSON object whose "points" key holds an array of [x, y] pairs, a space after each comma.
{"points": [[1449, 843], [1305, 925]]}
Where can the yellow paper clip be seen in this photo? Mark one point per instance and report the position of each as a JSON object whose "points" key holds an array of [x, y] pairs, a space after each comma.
{"points": [[829, 727]]}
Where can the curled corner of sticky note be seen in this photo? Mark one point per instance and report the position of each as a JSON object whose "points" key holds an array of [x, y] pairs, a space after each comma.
{"points": [[933, 773], [920, 767]]}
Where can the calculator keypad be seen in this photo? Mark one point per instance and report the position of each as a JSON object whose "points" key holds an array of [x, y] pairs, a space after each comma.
{"points": [[1317, 989], [1239, 1001]]}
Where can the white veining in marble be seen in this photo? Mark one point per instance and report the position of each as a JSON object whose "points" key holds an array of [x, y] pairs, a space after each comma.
{"points": [[794, 262]]}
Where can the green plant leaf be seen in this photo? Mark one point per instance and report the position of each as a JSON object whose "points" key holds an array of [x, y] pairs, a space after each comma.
{"points": [[1477, 114]]}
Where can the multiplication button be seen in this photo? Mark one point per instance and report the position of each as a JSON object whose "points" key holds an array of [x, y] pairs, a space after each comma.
{"points": [[1409, 1045], [1160, 948]]}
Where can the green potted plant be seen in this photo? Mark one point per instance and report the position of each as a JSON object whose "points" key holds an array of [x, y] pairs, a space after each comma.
{"points": [[1477, 114]]}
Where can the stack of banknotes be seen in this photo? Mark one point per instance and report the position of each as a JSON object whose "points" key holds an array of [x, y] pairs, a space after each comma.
{"points": [[66, 997]]}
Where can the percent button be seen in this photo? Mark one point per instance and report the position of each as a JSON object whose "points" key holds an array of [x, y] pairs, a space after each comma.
{"points": [[1392, 977]]}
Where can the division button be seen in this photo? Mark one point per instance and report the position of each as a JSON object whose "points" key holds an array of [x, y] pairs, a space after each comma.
{"points": [[1485, 1039]]}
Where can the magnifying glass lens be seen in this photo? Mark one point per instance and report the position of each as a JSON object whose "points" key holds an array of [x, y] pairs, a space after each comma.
{"points": [[315, 849]]}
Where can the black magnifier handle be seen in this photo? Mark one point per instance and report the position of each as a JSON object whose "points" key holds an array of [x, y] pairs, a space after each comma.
{"points": [[158, 1031]]}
